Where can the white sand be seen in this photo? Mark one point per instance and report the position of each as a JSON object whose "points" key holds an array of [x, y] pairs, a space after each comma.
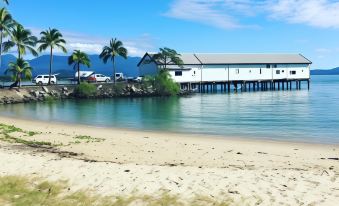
{"points": [[250, 171]]}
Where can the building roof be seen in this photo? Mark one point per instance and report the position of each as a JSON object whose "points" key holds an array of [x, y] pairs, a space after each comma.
{"points": [[222, 58]]}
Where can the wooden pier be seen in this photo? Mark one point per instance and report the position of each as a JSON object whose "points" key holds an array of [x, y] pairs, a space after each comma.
{"points": [[245, 86]]}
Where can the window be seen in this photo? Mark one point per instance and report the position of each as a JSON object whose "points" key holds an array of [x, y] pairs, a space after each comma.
{"points": [[46, 76], [39, 76], [194, 72], [178, 73], [260, 70], [277, 71], [237, 71], [283, 71], [250, 71], [293, 72], [275, 66], [268, 66]]}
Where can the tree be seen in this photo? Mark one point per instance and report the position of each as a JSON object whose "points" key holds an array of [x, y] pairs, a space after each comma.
{"points": [[78, 58], [167, 56], [19, 70], [6, 1], [22, 39], [114, 49], [6, 24], [51, 39]]}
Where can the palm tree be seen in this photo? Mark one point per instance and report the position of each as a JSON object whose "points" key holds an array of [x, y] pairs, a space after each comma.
{"points": [[6, 24], [20, 70], [78, 58], [51, 38], [23, 40], [167, 56], [6, 1], [114, 49]]}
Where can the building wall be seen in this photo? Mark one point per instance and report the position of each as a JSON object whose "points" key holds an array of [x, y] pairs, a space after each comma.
{"points": [[215, 73], [191, 75]]}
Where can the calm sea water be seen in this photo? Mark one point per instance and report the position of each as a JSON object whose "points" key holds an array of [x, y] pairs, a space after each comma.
{"points": [[308, 116]]}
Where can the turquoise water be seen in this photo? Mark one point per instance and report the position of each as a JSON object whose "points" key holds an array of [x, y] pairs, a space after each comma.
{"points": [[308, 116]]}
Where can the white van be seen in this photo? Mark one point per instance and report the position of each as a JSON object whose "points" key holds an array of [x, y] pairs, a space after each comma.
{"points": [[44, 78], [119, 77]]}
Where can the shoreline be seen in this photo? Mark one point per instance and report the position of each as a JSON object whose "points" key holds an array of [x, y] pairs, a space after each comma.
{"points": [[186, 134], [122, 162]]}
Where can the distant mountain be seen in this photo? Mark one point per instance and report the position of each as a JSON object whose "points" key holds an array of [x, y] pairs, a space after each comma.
{"points": [[128, 67], [334, 71], [40, 65]]}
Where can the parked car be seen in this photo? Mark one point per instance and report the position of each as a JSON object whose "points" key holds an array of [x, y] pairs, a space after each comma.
{"points": [[44, 78], [119, 77], [138, 79], [98, 78], [83, 75]]}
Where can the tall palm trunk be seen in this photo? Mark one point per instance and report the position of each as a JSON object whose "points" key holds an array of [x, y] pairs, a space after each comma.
{"points": [[78, 73], [19, 54], [1, 36], [114, 74], [50, 66]]}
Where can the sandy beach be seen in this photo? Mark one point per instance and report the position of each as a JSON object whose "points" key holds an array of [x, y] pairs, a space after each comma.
{"points": [[123, 162]]}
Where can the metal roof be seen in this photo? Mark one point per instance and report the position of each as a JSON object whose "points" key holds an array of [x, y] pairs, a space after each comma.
{"points": [[223, 58], [252, 59]]}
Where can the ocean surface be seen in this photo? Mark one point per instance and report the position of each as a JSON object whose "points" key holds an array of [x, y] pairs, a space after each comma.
{"points": [[297, 115]]}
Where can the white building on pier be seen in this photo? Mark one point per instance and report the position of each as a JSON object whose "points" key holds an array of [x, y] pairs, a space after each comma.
{"points": [[204, 68]]}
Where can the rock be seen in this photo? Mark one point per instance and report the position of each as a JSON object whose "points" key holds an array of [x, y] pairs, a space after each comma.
{"points": [[35, 94], [45, 89], [99, 87], [64, 89]]}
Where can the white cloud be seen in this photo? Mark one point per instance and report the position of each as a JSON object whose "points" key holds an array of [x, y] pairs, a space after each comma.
{"points": [[93, 44], [207, 12], [317, 13], [227, 14]]}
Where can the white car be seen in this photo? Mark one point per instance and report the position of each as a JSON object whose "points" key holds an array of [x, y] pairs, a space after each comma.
{"points": [[138, 79], [119, 76], [44, 78], [99, 78]]}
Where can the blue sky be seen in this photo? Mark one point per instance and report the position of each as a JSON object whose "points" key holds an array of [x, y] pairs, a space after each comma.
{"points": [[232, 26]]}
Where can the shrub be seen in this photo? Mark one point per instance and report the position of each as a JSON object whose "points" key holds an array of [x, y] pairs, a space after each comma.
{"points": [[164, 84], [85, 90]]}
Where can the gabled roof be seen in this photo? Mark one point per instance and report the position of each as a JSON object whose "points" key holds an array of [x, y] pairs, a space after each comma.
{"points": [[222, 58]]}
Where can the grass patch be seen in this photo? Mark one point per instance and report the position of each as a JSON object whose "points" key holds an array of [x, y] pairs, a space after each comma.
{"points": [[23, 191], [9, 128], [87, 139], [6, 131]]}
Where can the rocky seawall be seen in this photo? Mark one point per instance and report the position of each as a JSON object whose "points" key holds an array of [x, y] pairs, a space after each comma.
{"points": [[54, 92]]}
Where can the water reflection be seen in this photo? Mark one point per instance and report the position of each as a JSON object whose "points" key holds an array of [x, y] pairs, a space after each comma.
{"points": [[293, 115]]}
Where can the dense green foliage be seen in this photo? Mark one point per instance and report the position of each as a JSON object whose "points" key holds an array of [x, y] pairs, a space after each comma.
{"points": [[51, 39], [6, 24], [115, 48], [85, 90], [165, 57], [164, 84], [19, 70], [23, 40], [77, 58]]}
